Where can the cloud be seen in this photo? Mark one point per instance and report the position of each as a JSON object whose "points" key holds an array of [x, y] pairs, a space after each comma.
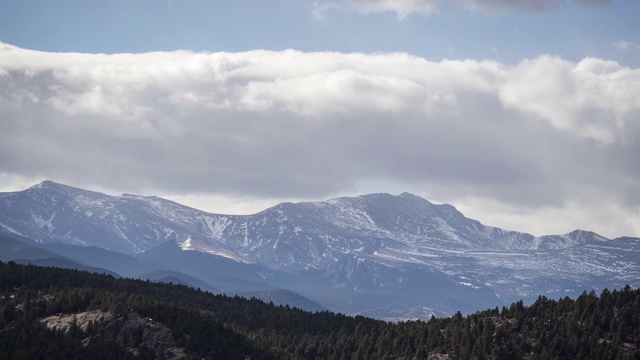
{"points": [[401, 8], [546, 133], [625, 45], [524, 5], [404, 8], [562, 94], [320, 8]]}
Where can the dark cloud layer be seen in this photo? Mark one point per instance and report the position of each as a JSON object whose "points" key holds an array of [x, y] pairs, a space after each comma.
{"points": [[425, 7]]}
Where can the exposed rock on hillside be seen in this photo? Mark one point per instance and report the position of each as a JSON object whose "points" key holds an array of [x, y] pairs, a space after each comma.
{"points": [[130, 331]]}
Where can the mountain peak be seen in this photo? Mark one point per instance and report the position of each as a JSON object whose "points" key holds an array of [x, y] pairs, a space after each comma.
{"points": [[62, 189], [410, 196], [46, 184], [586, 236], [51, 185], [385, 195]]}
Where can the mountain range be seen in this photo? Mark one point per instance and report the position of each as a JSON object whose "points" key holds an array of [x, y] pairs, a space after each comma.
{"points": [[385, 256]]}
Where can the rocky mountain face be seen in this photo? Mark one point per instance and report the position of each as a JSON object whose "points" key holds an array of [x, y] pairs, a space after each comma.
{"points": [[390, 257]]}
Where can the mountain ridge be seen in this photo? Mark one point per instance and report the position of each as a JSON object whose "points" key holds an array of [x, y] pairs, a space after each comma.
{"points": [[48, 184], [337, 252]]}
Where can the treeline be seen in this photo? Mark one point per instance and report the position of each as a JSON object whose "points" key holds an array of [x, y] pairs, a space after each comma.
{"points": [[220, 327]]}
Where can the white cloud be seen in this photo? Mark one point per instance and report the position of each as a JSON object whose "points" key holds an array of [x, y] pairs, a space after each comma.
{"points": [[401, 8], [592, 99], [543, 134], [320, 8], [625, 45]]}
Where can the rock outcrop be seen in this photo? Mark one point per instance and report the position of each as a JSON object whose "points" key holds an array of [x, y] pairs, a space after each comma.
{"points": [[131, 331]]}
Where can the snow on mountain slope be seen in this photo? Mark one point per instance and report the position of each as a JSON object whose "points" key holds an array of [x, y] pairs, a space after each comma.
{"points": [[377, 225], [50, 212], [378, 245], [387, 228]]}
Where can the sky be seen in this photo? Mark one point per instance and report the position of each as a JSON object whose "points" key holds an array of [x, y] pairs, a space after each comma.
{"points": [[523, 114]]}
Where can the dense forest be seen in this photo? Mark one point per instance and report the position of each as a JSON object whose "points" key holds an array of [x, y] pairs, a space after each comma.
{"points": [[52, 313]]}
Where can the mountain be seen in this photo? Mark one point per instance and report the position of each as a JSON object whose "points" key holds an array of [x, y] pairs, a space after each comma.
{"points": [[282, 297], [25, 251], [12, 247], [123, 264], [391, 257], [51, 212], [165, 276]]}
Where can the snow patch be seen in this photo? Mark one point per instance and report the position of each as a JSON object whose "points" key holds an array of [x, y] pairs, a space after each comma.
{"points": [[216, 225], [469, 285], [11, 230], [246, 236], [189, 244], [186, 244], [42, 223]]}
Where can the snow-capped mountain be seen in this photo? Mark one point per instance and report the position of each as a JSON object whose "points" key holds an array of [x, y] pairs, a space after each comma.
{"points": [[51, 212], [389, 256]]}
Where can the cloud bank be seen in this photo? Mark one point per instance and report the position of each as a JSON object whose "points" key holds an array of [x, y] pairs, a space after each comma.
{"points": [[544, 135]]}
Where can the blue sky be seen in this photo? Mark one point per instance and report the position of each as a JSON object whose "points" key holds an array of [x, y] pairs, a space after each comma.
{"points": [[569, 29], [523, 114]]}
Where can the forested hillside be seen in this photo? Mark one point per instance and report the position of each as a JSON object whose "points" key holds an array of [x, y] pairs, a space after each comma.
{"points": [[67, 314]]}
